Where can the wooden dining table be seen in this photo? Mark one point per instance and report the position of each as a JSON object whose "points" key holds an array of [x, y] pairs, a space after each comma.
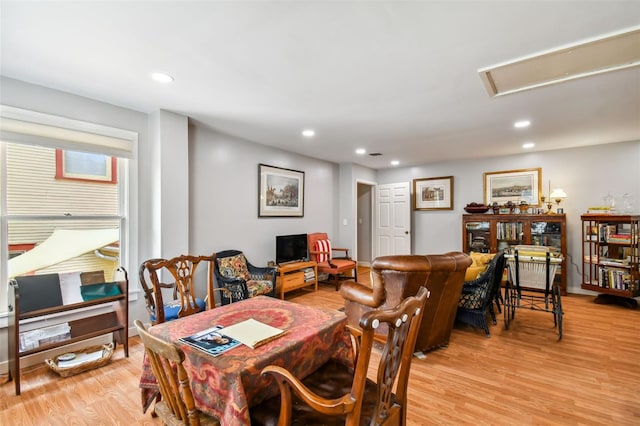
{"points": [[228, 385]]}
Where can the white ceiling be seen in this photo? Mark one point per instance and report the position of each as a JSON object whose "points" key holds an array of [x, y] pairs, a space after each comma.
{"points": [[399, 78]]}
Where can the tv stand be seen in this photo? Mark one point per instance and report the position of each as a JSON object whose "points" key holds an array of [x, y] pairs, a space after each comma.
{"points": [[291, 276]]}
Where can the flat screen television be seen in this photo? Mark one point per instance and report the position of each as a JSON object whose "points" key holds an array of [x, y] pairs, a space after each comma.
{"points": [[291, 248]]}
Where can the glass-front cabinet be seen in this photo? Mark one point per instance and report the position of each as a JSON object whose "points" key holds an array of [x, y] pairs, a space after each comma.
{"points": [[478, 236], [490, 233], [611, 255]]}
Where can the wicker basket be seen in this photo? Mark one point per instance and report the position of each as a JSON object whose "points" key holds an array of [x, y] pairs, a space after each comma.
{"points": [[533, 270], [107, 353]]}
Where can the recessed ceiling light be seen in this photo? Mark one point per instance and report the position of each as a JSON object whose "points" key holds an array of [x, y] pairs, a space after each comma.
{"points": [[161, 77], [521, 124], [308, 133], [394, 162], [528, 145], [360, 151]]}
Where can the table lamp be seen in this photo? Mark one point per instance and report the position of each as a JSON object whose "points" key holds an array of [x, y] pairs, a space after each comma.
{"points": [[557, 195]]}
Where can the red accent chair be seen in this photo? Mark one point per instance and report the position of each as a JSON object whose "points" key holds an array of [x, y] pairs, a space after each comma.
{"points": [[321, 250]]}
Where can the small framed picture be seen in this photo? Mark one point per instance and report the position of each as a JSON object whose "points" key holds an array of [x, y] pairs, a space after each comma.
{"points": [[281, 192], [433, 193]]}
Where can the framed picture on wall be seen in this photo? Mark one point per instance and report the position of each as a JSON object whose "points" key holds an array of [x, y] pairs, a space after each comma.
{"points": [[433, 193], [513, 185], [280, 192]]}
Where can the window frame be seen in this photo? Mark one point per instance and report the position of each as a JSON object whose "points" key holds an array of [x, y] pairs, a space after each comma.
{"points": [[34, 128]]}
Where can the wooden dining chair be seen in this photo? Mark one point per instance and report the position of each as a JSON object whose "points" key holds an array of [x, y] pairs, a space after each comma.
{"points": [[182, 270], [176, 405], [335, 394]]}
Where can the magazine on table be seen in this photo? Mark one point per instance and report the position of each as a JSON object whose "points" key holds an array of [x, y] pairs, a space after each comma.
{"points": [[211, 341]]}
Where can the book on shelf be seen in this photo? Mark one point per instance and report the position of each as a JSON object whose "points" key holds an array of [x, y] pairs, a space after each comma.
{"points": [[211, 341], [252, 333], [309, 275], [619, 238], [599, 210], [613, 262]]}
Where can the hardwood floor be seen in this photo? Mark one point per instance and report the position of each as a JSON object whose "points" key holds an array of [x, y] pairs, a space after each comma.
{"points": [[521, 376]]}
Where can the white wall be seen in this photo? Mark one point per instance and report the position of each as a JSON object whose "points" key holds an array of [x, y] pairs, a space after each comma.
{"points": [[223, 181], [224, 196], [586, 174]]}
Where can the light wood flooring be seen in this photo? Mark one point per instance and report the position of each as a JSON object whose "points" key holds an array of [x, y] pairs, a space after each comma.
{"points": [[520, 376]]}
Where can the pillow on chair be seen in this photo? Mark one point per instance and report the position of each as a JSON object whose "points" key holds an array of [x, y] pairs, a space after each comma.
{"points": [[325, 246], [480, 263], [234, 267]]}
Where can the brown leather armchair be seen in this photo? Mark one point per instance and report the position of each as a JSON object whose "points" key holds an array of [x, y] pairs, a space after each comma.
{"points": [[394, 278]]}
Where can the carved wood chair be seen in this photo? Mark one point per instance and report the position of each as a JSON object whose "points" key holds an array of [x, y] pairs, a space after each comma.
{"points": [[337, 395], [176, 405], [184, 301], [321, 250]]}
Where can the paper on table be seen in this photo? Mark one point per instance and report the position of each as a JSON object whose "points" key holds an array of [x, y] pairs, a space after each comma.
{"points": [[252, 333]]}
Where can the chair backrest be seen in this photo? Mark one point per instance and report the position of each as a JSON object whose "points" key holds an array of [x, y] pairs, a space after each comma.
{"points": [[166, 363], [312, 239], [395, 278], [402, 324], [496, 269], [182, 269], [231, 264]]}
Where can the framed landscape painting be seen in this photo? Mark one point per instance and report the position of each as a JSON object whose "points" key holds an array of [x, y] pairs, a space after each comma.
{"points": [[433, 193], [514, 186], [281, 192]]}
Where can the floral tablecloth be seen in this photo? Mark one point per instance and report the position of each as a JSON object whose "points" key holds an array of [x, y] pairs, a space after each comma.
{"points": [[226, 386]]}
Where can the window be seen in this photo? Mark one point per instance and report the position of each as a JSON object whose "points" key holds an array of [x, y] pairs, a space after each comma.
{"points": [[85, 166], [63, 206]]}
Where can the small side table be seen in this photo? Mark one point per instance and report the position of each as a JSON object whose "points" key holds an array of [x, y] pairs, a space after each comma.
{"points": [[291, 276]]}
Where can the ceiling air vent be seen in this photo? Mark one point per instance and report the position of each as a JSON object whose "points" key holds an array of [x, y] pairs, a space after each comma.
{"points": [[375, 154], [610, 52]]}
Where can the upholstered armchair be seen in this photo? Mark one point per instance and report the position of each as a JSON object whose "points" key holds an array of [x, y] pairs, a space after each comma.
{"points": [[243, 280], [478, 295], [322, 251], [394, 278]]}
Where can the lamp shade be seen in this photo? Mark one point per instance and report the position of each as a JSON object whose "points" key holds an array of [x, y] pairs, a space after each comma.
{"points": [[558, 194]]}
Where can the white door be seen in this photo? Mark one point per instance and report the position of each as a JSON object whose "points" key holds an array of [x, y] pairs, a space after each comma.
{"points": [[393, 219]]}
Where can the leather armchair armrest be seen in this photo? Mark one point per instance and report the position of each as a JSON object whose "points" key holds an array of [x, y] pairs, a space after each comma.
{"points": [[359, 293]]}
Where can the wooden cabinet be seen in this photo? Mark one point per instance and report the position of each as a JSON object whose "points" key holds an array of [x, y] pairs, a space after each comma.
{"points": [[611, 254], [115, 321], [488, 233], [291, 276]]}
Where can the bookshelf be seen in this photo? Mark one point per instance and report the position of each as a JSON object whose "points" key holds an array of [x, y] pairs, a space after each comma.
{"points": [[610, 256], [88, 326], [488, 233]]}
